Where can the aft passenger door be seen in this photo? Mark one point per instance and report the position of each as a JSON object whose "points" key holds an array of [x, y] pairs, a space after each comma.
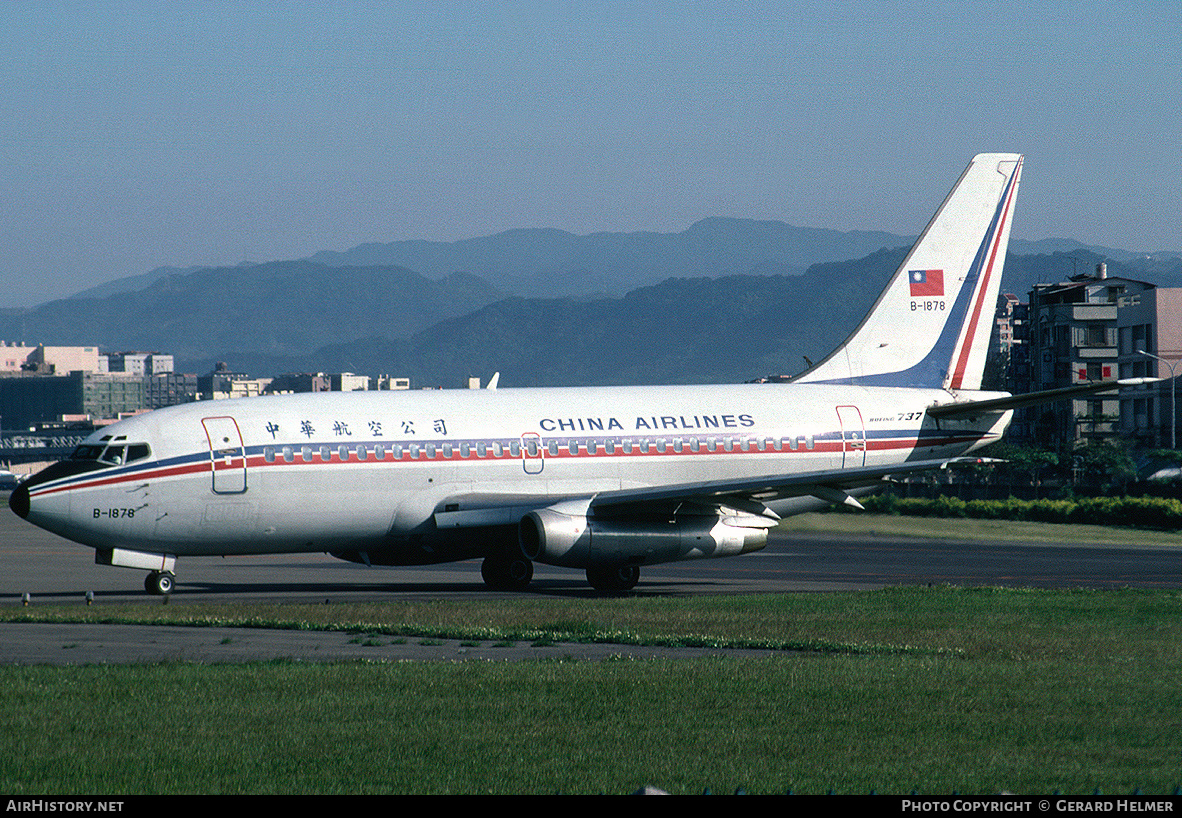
{"points": [[227, 456], [853, 436]]}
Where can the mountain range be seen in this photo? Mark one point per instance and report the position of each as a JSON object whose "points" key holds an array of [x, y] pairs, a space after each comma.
{"points": [[725, 300]]}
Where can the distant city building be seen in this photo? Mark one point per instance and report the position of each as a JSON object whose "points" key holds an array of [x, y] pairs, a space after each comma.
{"points": [[334, 382], [169, 389], [51, 360], [348, 382], [43, 384], [388, 383], [13, 356], [139, 363], [46, 384], [300, 382], [110, 396], [47, 360], [222, 383], [1092, 328], [28, 401]]}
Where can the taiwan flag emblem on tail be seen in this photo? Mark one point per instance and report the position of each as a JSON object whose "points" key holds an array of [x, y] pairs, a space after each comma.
{"points": [[926, 282]]}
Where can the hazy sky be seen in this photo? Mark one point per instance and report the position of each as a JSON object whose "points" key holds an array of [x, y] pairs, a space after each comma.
{"points": [[139, 134]]}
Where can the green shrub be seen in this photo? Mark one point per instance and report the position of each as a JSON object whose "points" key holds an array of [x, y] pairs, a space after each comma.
{"points": [[1139, 512]]}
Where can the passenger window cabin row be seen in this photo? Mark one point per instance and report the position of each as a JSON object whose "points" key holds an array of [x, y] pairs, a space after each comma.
{"points": [[533, 447]]}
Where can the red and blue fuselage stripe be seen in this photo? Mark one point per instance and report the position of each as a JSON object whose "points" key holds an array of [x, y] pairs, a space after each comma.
{"points": [[433, 451]]}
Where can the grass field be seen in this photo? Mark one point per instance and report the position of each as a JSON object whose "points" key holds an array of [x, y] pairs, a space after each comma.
{"points": [[937, 690]]}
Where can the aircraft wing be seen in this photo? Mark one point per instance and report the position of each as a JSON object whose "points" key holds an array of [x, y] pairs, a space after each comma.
{"points": [[831, 485], [747, 494]]}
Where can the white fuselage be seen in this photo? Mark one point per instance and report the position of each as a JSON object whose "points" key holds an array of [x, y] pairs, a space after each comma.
{"points": [[369, 471]]}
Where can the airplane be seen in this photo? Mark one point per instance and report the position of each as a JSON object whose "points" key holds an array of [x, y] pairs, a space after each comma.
{"points": [[603, 479]]}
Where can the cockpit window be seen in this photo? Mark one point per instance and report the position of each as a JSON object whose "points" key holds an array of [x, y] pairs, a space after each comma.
{"points": [[85, 452], [112, 455]]}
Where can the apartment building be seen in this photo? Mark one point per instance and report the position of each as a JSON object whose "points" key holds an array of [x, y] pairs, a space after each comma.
{"points": [[1089, 328]]}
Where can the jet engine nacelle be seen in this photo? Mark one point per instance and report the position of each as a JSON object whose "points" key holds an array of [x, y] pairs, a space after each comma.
{"points": [[560, 535]]}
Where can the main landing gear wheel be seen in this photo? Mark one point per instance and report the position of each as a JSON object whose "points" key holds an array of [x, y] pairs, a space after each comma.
{"points": [[507, 573], [159, 583], [613, 578]]}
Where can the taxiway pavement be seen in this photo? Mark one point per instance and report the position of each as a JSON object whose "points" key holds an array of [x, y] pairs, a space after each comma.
{"points": [[51, 570]]}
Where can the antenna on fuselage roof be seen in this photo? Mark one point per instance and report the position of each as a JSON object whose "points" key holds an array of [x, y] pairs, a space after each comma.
{"points": [[492, 383]]}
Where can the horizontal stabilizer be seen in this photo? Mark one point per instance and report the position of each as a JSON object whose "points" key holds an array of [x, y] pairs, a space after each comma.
{"points": [[977, 407]]}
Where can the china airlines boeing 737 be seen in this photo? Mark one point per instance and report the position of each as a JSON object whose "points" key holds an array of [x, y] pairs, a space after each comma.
{"points": [[601, 479]]}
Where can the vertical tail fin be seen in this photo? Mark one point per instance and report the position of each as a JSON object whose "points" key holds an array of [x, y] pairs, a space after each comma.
{"points": [[930, 327]]}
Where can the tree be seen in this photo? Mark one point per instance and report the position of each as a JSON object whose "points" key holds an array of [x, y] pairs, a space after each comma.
{"points": [[1103, 465], [1021, 465]]}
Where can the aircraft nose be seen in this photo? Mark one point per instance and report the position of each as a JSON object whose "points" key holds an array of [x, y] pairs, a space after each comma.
{"points": [[19, 501]]}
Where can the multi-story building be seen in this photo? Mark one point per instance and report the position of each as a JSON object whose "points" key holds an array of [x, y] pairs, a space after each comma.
{"points": [[349, 382], [334, 382], [13, 356], [1093, 328], [223, 383], [169, 389], [1004, 320], [61, 360], [300, 382], [1149, 343], [388, 382], [30, 400], [111, 396], [140, 363], [44, 384], [1011, 372]]}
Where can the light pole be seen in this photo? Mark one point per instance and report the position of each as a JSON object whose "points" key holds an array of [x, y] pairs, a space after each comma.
{"points": [[1173, 411]]}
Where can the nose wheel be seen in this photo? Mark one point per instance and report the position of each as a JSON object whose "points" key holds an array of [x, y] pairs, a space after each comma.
{"points": [[159, 583]]}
